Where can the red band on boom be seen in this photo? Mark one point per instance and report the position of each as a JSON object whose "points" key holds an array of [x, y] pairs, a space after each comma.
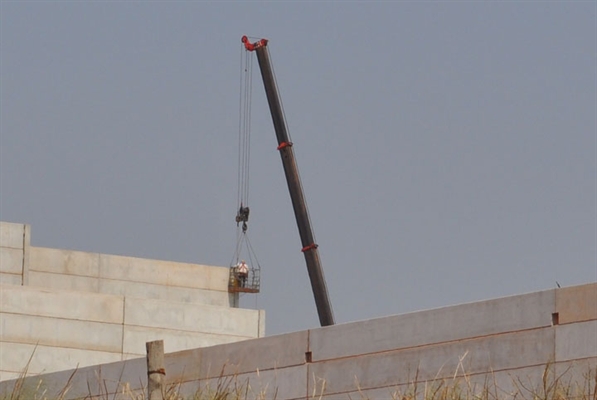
{"points": [[309, 247], [284, 144]]}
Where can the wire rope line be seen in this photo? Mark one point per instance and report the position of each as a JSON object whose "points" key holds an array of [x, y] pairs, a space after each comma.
{"points": [[254, 261], [247, 122], [244, 127], [240, 126], [243, 245]]}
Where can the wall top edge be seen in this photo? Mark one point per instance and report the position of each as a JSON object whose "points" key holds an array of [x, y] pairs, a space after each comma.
{"points": [[132, 258], [13, 223], [472, 302]]}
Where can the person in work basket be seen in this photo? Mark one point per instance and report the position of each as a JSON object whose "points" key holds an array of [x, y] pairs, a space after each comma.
{"points": [[242, 270]]}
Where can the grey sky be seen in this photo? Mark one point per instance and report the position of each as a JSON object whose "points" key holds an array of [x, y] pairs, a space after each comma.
{"points": [[447, 149]]}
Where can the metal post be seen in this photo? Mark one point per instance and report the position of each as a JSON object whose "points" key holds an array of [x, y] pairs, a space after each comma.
{"points": [[155, 370]]}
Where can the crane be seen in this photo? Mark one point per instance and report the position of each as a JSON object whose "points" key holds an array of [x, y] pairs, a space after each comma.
{"points": [[309, 249]]}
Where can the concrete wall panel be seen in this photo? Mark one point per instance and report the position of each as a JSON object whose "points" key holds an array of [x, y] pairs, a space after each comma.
{"points": [[63, 282], [577, 303], [70, 305], [578, 373], [17, 355], [191, 317], [511, 383], [11, 279], [237, 358], [269, 384], [73, 299], [498, 352], [59, 332], [218, 278], [11, 260], [386, 393], [7, 376], [517, 359], [106, 378], [11, 235], [162, 272], [499, 385], [278, 383], [434, 326], [168, 293], [574, 341], [67, 262], [135, 338], [113, 378]]}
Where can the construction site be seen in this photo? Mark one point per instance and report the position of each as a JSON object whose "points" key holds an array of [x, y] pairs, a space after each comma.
{"points": [[83, 325], [81, 321]]}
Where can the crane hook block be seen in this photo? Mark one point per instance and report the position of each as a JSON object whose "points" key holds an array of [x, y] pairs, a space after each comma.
{"points": [[242, 215], [253, 46]]}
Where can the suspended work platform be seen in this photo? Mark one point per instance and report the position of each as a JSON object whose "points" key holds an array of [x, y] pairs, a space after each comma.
{"points": [[250, 283]]}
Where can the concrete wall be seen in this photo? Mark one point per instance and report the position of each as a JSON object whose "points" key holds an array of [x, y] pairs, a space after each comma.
{"points": [[69, 308], [23, 264], [508, 344], [129, 276], [63, 329], [14, 253]]}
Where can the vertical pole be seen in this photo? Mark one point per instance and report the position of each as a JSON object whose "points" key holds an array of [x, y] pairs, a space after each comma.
{"points": [[155, 370]]}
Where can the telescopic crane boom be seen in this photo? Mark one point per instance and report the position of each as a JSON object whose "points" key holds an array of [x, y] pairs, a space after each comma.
{"points": [[320, 292]]}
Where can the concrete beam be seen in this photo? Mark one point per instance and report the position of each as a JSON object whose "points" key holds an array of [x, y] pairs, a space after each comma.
{"points": [[509, 314], [38, 302], [578, 373], [97, 380], [472, 356], [165, 293], [269, 384], [68, 262], [576, 341], [163, 272], [135, 338], [12, 235], [510, 384], [58, 332], [236, 358], [191, 317], [11, 260], [576, 303], [11, 279], [64, 282], [15, 356]]}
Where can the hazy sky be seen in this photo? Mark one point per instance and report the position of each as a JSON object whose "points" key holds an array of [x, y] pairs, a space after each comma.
{"points": [[447, 149]]}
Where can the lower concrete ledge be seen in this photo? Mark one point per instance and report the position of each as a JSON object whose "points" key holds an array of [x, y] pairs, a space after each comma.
{"points": [[11, 260], [11, 279], [74, 329], [135, 338], [16, 358]]}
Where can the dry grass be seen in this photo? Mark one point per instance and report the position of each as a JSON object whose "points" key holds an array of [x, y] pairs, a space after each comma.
{"points": [[485, 387], [459, 387]]}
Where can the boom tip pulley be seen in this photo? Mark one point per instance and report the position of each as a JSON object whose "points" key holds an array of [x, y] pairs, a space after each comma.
{"points": [[253, 46]]}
